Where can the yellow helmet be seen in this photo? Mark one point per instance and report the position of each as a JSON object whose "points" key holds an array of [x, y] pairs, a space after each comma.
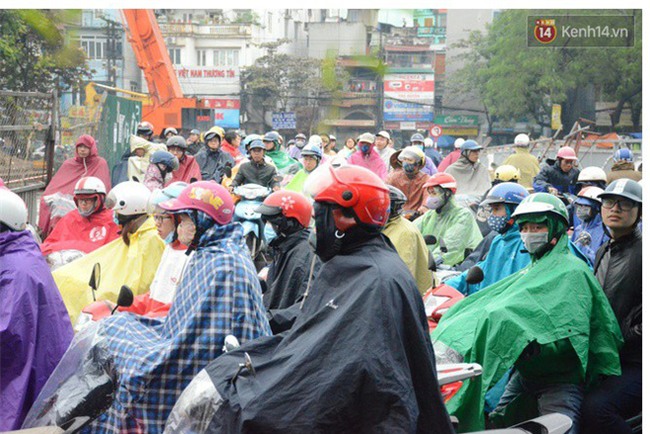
{"points": [[507, 173], [413, 152]]}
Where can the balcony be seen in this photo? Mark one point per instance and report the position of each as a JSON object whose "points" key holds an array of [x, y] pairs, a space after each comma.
{"points": [[205, 30]]}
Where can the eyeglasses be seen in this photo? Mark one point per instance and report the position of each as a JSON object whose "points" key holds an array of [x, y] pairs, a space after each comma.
{"points": [[623, 204], [159, 218], [86, 200]]}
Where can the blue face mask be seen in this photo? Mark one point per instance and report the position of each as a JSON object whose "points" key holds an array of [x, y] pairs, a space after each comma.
{"points": [[420, 147], [497, 224], [408, 167], [170, 238], [365, 148], [117, 222], [434, 202]]}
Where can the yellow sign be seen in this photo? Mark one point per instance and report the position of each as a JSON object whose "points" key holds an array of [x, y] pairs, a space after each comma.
{"points": [[556, 117], [461, 132]]}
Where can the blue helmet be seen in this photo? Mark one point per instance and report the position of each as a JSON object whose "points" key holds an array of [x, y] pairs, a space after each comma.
{"points": [[506, 192], [249, 139], [623, 154], [470, 145], [256, 144], [165, 158], [271, 136], [313, 150], [172, 191]]}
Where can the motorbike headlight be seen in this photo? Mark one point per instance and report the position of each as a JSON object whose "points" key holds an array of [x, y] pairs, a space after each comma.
{"points": [[195, 407], [82, 321]]}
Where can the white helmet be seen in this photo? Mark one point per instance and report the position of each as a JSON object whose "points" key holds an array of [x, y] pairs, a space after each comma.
{"points": [[459, 142], [315, 140], [128, 198], [592, 173], [522, 140], [89, 185], [428, 142], [13, 211]]}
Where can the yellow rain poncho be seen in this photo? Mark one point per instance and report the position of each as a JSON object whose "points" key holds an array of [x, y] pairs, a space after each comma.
{"points": [[133, 266]]}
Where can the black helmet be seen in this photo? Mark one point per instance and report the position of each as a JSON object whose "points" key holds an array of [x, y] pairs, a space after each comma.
{"points": [[397, 200], [626, 188]]}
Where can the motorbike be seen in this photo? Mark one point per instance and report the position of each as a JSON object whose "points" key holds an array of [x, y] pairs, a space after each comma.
{"points": [[255, 231]]}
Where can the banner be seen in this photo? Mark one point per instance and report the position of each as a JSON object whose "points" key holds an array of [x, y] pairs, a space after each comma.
{"points": [[119, 119], [409, 97]]}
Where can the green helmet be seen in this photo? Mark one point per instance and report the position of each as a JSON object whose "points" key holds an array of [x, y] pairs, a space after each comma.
{"points": [[542, 203]]}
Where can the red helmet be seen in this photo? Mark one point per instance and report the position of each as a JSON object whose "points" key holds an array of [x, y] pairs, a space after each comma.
{"points": [[351, 187], [443, 180], [207, 196], [567, 153], [290, 204]]}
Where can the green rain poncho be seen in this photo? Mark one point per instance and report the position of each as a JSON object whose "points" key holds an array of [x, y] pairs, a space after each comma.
{"points": [[556, 297], [298, 181], [456, 226], [282, 161]]}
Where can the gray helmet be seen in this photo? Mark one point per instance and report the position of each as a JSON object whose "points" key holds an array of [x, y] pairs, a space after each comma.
{"points": [[417, 137], [470, 145], [626, 188], [177, 141], [397, 199], [256, 144]]}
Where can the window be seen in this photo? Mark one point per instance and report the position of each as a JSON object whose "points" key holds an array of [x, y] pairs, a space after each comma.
{"points": [[200, 57], [175, 55], [270, 22], [95, 48], [227, 57]]}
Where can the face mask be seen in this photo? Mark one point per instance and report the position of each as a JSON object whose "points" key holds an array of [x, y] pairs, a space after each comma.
{"points": [[300, 144], [434, 202], [327, 240], [497, 223], [115, 219], [420, 147], [583, 213], [534, 241], [408, 167], [186, 231], [86, 213], [365, 149]]}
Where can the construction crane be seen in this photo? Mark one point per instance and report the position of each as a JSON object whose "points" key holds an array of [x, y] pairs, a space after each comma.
{"points": [[167, 100]]}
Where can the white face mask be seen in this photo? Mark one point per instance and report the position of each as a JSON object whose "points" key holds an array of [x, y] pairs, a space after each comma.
{"points": [[534, 241]]}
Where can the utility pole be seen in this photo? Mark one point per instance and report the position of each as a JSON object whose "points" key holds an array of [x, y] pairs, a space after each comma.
{"points": [[380, 82], [112, 33]]}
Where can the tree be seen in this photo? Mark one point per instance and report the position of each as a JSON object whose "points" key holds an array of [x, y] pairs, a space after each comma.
{"points": [[514, 81], [34, 55]]}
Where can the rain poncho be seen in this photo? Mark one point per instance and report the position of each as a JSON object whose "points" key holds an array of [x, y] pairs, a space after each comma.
{"points": [[34, 326], [66, 177], [595, 237], [623, 169], [504, 258], [372, 161], [553, 176], [412, 249], [527, 164], [289, 273], [554, 298], [411, 187], [155, 359], [298, 181], [213, 163], [188, 168], [429, 168], [282, 161], [357, 359], [450, 159], [456, 227], [138, 166], [75, 232], [472, 178], [133, 266]]}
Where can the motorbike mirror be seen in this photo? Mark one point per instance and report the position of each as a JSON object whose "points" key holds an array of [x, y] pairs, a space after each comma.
{"points": [[432, 263], [124, 299], [474, 275], [230, 343], [227, 171], [430, 240], [95, 278]]}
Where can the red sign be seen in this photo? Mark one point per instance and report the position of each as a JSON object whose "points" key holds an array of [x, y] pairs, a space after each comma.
{"points": [[221, 103], [545, 31], [206, 73], [436, 131]]}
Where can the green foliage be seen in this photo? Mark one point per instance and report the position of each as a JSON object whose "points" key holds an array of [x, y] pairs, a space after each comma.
{"points": [[514, 81], [33, 53]]}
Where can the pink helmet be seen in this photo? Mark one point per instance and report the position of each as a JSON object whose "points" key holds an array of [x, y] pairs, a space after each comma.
{"points": [[207, 196], [567, 153]]}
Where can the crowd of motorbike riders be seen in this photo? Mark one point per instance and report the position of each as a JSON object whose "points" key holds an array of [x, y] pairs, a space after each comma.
{"points": [[334, 330]]}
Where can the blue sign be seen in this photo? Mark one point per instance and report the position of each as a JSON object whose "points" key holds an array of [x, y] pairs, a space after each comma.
{"points": [[226, 118], [407, 112], [284, 120]]}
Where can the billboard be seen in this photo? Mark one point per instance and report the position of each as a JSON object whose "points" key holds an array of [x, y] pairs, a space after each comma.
{"points": [[226, 111], [409, 97]]}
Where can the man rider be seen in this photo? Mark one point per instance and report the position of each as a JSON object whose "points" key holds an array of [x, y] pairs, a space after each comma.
{"points": [[294, 265], [589, 234], [299, 142], [212, 160], [194, 142], [472, 176], [408, 241], [35, 329], [550, 321], [188, 168], [429, 168], [311, 159], [230, 144], [282, 161], [561, 177], [382, 139], [618, 269], [410, 179], [368, 157], [523, 160], [623, 166], [257, 170], [452, 157], [453, 226]]}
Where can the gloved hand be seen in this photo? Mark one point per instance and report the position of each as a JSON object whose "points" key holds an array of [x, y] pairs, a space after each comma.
{"points": [[584, 238]]}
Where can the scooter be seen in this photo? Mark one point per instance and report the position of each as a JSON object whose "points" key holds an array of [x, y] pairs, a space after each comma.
{"points": [[252, 196]]}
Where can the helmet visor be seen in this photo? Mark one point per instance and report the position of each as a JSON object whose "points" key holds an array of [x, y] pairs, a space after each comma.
{"points": [[318, 181]]}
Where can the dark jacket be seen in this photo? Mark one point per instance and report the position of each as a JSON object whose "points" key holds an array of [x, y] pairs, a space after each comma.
{"points": [[195, 147], [289, 272], [253, 173], [619, 273], [213, 164], [479, 253], [621, 169], [553, 176]]}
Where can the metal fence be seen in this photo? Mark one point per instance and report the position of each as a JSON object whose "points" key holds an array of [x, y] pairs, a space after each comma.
{"points": [[28, 123]]}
